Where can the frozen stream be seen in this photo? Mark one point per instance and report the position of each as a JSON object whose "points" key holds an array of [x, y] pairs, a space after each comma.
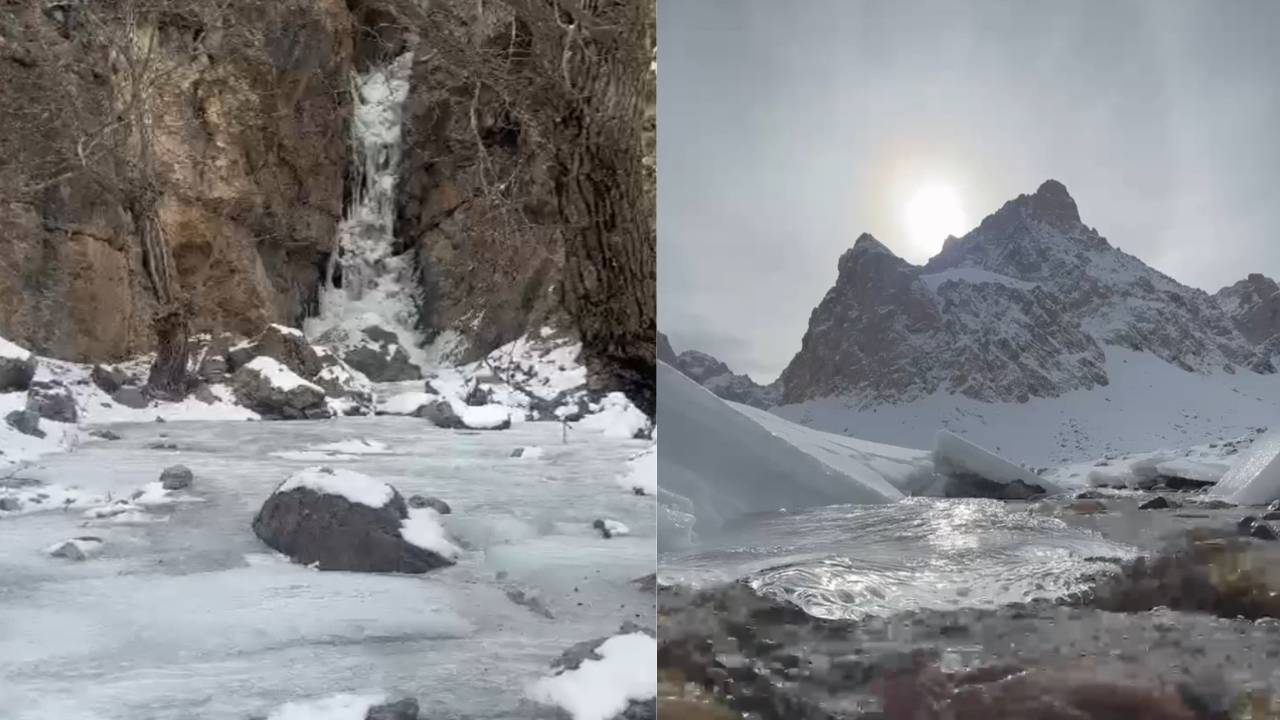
{"points": [[192, 617]]}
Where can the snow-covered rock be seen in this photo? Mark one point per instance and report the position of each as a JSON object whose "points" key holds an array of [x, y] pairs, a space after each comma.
{"points": [[52, 400], [17, 367], [266, 386], [604, 679], [1254, 479], [77, 548], [617, 417], [381, 357], [287, 346], [728, 460], [452, 413], [338, 519], [406, 403]]}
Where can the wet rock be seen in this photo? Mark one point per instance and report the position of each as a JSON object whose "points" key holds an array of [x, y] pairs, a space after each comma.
{"points": [[25, 422], [108, 378], [16, 373], [479, 395], [104, 434], [1156, 503], [647, 583], [1262, 531], [1087, 507], [429, 501], [605, 532], [176, 477], [1089, 495], [1246, 524], [518, 452], [968, 485], [406, 709], [1182, 484], [10, 504], [52, 401], [131, 397], [334, 533]]}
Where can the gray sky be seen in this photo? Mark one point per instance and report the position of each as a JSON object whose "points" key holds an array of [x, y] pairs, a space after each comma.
{"points": [[785, 129]]}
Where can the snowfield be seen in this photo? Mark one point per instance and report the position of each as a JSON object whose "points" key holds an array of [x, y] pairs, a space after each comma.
{"points": [[1149, 404]]}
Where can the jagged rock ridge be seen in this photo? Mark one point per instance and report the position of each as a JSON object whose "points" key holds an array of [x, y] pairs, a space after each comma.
{"points": [[1022, 306], [715, 375]]}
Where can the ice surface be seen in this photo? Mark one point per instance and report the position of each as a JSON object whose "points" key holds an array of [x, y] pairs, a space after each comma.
{"points": [[356, 446], [616, 417], [423, 528], [954, 454], [725, 463], [277, 374], [405, 403], [354, 486], [600, 689], [196, 618], [1254, 479]]}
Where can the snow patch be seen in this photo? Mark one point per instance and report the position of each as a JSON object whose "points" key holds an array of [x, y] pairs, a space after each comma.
{"points": [[615, 416], [423, 528], [601, 689], [353, 486], [13, 351], [278, 375], [335, 707], [406, 403], [642, 472]]}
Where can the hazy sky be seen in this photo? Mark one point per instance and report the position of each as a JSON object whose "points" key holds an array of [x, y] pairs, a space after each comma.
{"points": [[785, 129]]}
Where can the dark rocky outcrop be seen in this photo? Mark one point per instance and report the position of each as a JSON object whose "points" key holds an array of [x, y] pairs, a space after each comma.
{"points": [[406, 709], [257, 391], [16, 372], [335, 533], [284, 344], [108, 378], [968, 485], [132, 397], [383, 363], [52, 401], [429, 501]]}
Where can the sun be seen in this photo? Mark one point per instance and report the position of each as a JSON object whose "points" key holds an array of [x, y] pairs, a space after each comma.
{"points": [[931, 214]]}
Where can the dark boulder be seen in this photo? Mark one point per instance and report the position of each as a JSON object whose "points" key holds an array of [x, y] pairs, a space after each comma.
{"points": [[1156, 503], [440, 413], [284, 344], [108, 378], [968, 485], [406, 709], [25, 422], [16, 370], [52, 401], [176, 477], [382, 363], [335, 533], [131, 397]]}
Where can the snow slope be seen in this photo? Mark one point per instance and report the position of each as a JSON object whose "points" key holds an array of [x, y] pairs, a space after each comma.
{"points": [[1148, 405]]}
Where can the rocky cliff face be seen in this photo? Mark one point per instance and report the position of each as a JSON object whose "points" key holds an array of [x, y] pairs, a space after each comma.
{"points": [[1023, 306], [221, 127], [156, 150], [715, 375], [1253, 304]]}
